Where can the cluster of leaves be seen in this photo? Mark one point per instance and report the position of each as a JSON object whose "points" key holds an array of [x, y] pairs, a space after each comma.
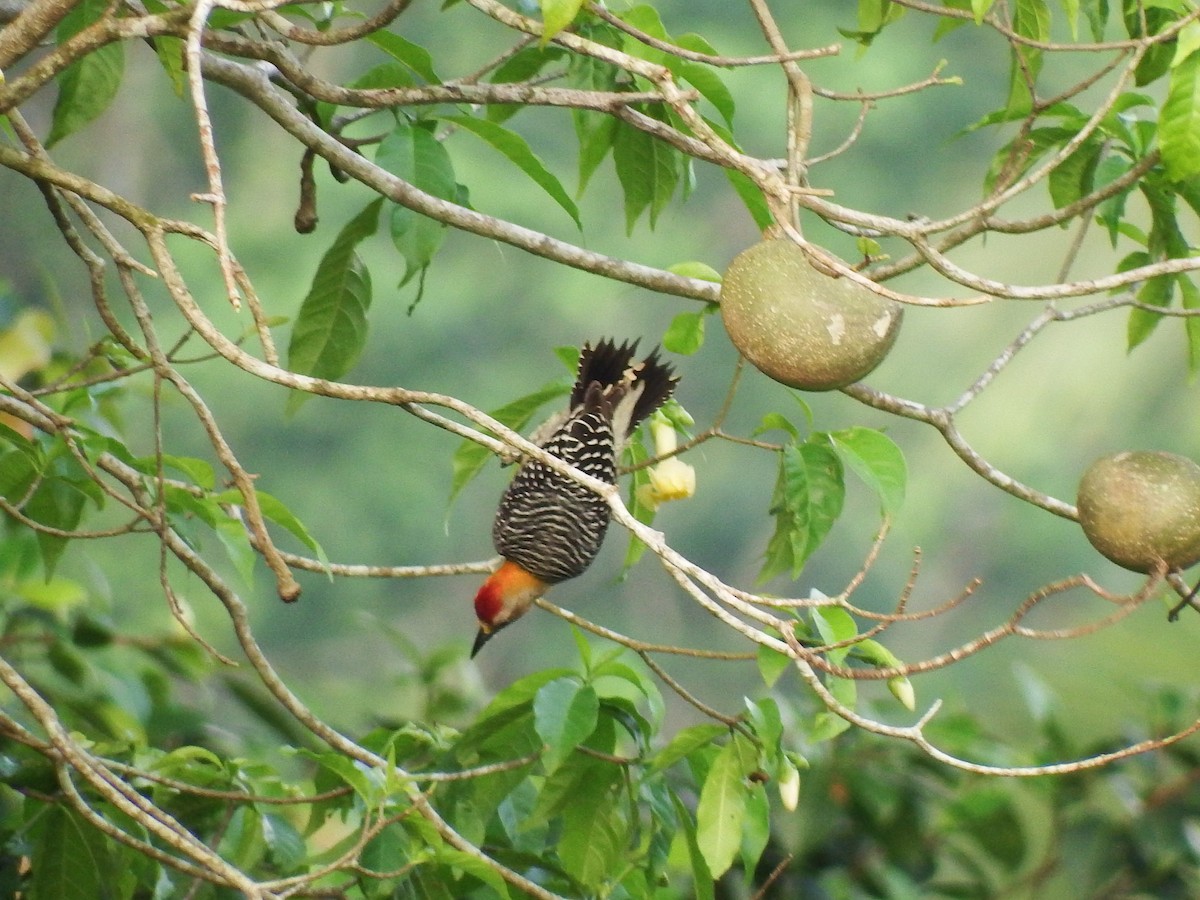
{"points": [[331, 328], [563, 777], [1137, 129]]}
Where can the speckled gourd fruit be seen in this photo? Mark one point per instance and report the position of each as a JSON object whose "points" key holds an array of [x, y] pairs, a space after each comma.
{"points": [[800, 326], [1141, 507]]}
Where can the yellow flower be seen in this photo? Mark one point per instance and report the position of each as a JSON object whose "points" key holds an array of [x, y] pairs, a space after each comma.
{"points": [[671, 479]]}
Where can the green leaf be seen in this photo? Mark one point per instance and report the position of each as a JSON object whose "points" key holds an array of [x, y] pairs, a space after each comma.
{"points": [[170, 52], [771, 664], [1157, 291], [875, 458], [875, 653], [721, 810], [58, 503], [389, 850], [835, 625], [1031, 19], [88, 85], [874, 14], [752, 197], [285, 845], [702, 878], [685, 741], [470, 457], [1187, 43], [1158, 57], [519, 693], [347, 771], [710, 85], [635, 452], [414, 154], [756, 830], [685, 334], [231, 532], [405, 51], [564, 714], [198, 471], [1096, 12], [648, 170], [557, 15], [645, 18], [73, 859], [482, 869], [693, 269], [1179, 123], [241, 840], [595, 133], [592, 842], [774, 421], [1191, 300], [1111, 212], [764, 717], [518, 152], [809, 494], [1075, 176], [331, 328], [276, 511], [384, 75]]}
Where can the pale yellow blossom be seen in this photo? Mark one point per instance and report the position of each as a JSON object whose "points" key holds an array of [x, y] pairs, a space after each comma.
{"points": [[671, 479]]}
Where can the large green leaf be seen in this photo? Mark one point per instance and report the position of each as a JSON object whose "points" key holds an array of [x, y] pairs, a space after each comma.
{"points": [[876, 459], [415, 57], [648, 169], [564, 714], [702, 878], [89, 84], [557, 15], [517, 149], [756, 830], [835, 625], [809, 494], [1157, 291], [594, 131], [1191, 300], [594, 831], [331, 328], [73, 859], [1179, 122], [684, 742], [721, 810], [482, 869], [414, 154], [685, 334], [635, 452], [57, 503], [711, 87], [1075, 176], [276, 511]]}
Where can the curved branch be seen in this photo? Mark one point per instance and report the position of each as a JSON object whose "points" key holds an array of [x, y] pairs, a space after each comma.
{"points": [[257, 88], [333, 36]]}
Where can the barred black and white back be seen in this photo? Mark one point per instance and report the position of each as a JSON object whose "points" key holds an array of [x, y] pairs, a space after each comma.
{"points": [[550, 524]]}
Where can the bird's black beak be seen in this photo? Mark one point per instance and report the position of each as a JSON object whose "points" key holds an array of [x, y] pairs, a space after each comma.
{"points": [[481, 637]]}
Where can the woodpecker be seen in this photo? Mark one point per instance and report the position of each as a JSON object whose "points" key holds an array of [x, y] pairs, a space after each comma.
{"points": [[549, 527]]}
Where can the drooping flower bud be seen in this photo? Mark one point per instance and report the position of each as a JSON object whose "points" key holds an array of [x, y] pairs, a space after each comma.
{"points": [[671, 479]]}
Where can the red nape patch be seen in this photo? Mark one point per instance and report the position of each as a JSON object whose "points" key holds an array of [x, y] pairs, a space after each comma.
{"points": [[489, 600], [506, 595]]}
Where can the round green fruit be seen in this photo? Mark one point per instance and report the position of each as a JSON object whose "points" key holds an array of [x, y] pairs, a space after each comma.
{"points": [[800, 326], [1141, 508]]}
